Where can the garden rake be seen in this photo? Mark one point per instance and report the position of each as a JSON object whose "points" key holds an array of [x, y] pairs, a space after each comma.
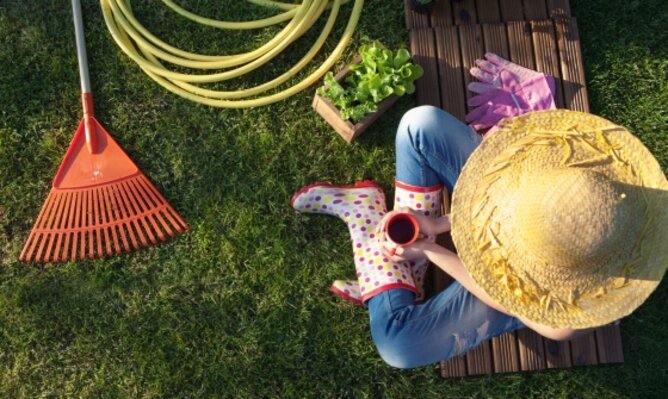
{"points": [[100, 202]]}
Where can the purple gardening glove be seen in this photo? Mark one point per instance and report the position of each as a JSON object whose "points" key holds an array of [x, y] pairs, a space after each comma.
{"points": [[488, 72], [516, 98]]}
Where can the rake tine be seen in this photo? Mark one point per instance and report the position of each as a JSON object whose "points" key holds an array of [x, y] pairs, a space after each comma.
{"points": [[95, 233], [142, 183], [69, 226], [76, 226], [40, 235], [32, 240], [181, 225], [81, 228], [140, 213], [61, 228], [118, 218], [90, 226], [52, 250], [97, 224], [84, 223], [102, 208], [54, 201], [155, 217], [147, 211], [37, 244], [131, 207], [127, 222], [29, 246], [138, 216], [107, 219], [136, 232], [53, 229]]}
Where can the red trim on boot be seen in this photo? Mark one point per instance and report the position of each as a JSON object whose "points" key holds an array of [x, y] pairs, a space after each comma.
{"points": [[345, 296], [418, 189], [359, 184]]}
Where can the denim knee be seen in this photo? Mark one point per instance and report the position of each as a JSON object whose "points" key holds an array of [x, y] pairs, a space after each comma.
{"points": [[418, 120], [394, 351]]}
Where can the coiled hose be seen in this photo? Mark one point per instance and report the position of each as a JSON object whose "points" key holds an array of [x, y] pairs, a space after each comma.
{"points": [[147, 50]]}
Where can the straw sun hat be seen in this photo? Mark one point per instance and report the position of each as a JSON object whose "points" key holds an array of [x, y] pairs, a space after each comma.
{"points": [[561, 217]]}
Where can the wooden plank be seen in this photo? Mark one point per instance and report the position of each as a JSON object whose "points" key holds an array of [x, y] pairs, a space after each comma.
{"points": [[471, 46], [504, 348], [442, 14], [572, 70], [505, 353], [519, 44], [440, 279], [532, 355], [583, 350], [557, 354], [488, 11], [414, 19], [609, 344], [464, 12], [495, 39], [423, 48], [535, 9], [545, 51], [511, 10], [447, 13], [479, 359], [558, 9], [455, 367], [450, 70]]}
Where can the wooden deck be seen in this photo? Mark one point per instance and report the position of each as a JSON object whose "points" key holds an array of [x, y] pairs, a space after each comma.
{"points": [[541, 35], [456, 12]]}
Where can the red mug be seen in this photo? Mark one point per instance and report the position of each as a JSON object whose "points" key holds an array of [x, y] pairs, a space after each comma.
{"points": [[402, 229]]}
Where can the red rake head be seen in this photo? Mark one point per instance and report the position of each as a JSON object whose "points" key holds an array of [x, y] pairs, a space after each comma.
{"points": [[100, 205]]}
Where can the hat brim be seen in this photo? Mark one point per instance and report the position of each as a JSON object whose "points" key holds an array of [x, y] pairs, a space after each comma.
{"points": [[644, 266]]}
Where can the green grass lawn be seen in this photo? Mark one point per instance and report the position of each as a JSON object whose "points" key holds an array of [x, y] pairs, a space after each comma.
{"points": [[240, 307]]}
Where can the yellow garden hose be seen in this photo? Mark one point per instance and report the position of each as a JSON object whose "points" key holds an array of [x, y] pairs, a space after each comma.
{"points": [[147, 50]]}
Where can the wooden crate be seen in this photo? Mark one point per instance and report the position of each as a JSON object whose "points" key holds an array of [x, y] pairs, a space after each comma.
{"points": [[446, 47], [345, 127]]}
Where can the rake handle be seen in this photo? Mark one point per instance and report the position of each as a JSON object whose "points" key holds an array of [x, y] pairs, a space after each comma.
{"points": [[86, 94]]}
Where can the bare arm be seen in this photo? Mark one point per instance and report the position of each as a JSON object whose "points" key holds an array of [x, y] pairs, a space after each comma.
{"points": [[450, 263]]}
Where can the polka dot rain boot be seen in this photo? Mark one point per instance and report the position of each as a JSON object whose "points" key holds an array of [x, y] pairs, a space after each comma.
{"points": [[348, 290], [426, 200], [361, 207], [423, 199]]}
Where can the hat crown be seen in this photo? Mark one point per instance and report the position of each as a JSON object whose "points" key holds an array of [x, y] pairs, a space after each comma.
{"points": [[572, 217]]}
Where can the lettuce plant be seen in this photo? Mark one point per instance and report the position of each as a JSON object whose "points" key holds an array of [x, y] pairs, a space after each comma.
{"points": [[381, 73]]}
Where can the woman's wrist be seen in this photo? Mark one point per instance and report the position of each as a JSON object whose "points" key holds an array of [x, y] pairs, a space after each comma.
{"points": [[427, 247], [434, 251], [439, 225]]}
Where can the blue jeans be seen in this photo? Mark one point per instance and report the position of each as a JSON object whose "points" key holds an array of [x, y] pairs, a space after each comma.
{"points": [[432, 147]]}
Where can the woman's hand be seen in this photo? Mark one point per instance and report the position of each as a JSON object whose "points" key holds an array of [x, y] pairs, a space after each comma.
{"points": [[406, 253], [428, 225]]}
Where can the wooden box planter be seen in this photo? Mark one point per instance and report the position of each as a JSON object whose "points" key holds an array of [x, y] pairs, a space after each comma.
{"points": [[345, 127]]}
